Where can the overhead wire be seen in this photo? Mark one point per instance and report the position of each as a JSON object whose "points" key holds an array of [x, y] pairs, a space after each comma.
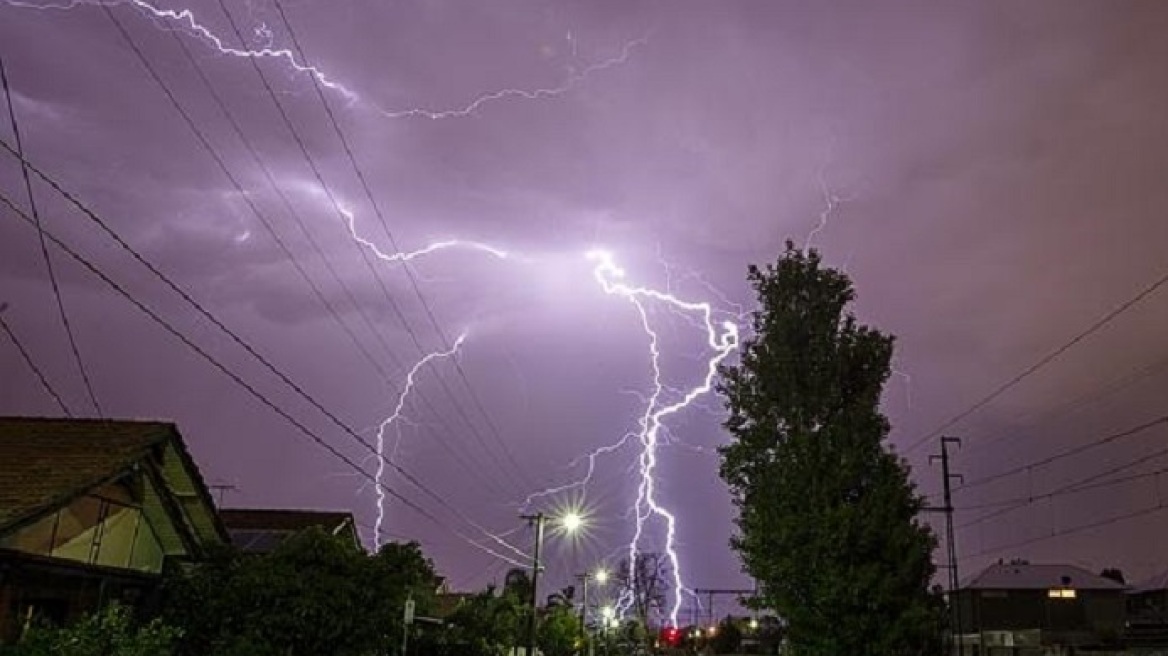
{"points": [[1042, 362], [252, 390], [1079, 483], [1066, 453], [348, 431], [33, 365], [457, 457], [412, 278], [48, 260], [341, 214]]}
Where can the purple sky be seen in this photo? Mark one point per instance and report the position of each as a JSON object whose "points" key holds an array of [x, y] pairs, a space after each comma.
{"points": [[994, 173]]}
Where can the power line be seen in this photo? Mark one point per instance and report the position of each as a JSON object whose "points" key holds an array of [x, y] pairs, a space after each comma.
{"points": [[45, 250], [348, 431], [445, 340], [1050, 357], [288, 205], [31, 363], [255, 393], [1018, 502], [1087, 399], [394, 306], [1080, 483], [1071, 531], [1067, 453]]}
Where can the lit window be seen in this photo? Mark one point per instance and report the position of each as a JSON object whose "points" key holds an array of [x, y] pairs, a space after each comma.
{"points": [[1061, 593]]}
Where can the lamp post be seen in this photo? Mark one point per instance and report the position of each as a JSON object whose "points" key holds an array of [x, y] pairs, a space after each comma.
{"points": [[570, 523], [601, 577]]}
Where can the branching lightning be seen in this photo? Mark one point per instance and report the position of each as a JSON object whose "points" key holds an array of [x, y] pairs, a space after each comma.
{"points": [[392, 422], [186, 19], [572, 82], [722, 339], [433, 247], [663, 400]]}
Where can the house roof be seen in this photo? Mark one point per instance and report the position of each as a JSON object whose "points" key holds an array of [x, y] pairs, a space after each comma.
{"points": [[260, 530], [1025, 576], [45, 463]]}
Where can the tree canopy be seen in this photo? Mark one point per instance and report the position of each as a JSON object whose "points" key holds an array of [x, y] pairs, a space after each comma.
{"points": [[827, 515], [315, 594]]}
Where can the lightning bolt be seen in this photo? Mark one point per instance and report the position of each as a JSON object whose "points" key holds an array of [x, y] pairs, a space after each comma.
{"points": [[186, 19], [582, 482], [722, 339], [433, 247], [392, 421], [570, 83]]}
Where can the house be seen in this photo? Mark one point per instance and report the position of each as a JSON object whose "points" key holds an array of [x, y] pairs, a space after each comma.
{"points": [[259, 531], [1147, 614], [93, 511], [1020, 608]]}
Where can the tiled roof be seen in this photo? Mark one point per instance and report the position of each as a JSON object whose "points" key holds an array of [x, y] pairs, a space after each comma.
{"points": [[1005, 576], [45, 462]]}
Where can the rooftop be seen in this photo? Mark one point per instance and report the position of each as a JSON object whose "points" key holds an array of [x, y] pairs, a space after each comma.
{"points": [[1025, 576]]}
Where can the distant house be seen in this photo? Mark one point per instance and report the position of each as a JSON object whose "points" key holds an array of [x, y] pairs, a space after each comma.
{"points": [[259, 531], [1015, 608], [93, 511], [1147, 614]]}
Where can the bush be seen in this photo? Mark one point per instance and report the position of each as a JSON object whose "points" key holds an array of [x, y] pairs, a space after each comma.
{"points": [[110, 632]]}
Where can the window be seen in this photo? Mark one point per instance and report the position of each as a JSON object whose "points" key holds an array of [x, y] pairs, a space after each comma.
{"points": [[102, 528], [1061, 593]]}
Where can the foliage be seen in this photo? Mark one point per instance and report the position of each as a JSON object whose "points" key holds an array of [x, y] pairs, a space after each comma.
{"points": [[644, 583], [517, 583], [110, 632], [484, 625], [314, 594], [559, 631], [827, 516]]}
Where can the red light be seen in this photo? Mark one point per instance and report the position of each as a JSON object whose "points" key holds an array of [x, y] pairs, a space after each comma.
{"points": [[671, 636]]}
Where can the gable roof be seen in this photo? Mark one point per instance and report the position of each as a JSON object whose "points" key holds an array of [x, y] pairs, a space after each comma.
{"points": [[261, 530], [45, 463], [1025, 576]]}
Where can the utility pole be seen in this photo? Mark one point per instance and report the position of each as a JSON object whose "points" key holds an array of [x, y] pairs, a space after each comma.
{"points": [[407, 621], [538, 520], [583, 579], [955, 628]]}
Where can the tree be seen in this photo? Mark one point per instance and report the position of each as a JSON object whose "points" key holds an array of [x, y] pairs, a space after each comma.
{"points": [[314, 594], [559, 631], [827, 516], [517, 583], [484, 625], [644, 582]]}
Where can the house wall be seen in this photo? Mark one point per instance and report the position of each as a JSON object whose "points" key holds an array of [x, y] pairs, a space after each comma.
{"points": [[1092, 617]]}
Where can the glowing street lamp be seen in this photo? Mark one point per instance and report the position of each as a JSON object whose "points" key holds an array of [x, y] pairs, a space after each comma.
{"points": [[601, 576], [572, 522]]}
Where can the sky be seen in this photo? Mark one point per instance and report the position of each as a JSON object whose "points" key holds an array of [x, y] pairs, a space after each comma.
{"points": [[990, 175]]}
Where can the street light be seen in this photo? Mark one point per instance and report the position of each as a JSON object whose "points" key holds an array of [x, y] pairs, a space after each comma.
{"points": [[601, 576], [571, 522]]}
